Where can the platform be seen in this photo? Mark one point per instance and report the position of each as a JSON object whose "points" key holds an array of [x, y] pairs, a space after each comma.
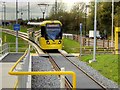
{"points": [[6, 63]]}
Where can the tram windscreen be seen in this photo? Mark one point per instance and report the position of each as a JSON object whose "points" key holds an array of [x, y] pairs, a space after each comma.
{"points": [[53, 31]]}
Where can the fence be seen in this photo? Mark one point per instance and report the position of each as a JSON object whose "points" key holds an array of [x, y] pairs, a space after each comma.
{"points": [[89, 41], [102, 46], [21, 47], [4, 49]]}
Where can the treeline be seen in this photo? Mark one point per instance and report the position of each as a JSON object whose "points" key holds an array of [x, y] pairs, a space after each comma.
{"points": [[77, 15]]}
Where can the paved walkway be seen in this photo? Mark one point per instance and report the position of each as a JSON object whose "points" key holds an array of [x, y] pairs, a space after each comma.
{"points": [[8, 81]]}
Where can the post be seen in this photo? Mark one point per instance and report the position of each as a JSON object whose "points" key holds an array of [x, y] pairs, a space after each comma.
{"points": [[43, 15], [112, 23], [17, 23], [80, 39], [62, 79], [95, 28], [55, 6], [28, 11], [4, 13], [85, 18]]}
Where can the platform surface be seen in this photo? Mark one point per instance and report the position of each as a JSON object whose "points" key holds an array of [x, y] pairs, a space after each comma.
{"points": [[12, 57], [8, 81]]}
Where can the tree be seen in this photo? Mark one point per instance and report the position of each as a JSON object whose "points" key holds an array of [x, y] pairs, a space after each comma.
{"points": [[104, 16]]}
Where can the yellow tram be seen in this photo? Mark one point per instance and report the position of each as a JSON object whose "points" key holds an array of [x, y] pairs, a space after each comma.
{"points": [[51, 34]]}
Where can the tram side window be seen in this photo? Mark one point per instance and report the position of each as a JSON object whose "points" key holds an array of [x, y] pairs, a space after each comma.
{"points": [[42, 31]]}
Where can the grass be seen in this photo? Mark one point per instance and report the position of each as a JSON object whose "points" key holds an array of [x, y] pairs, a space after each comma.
{"points": [[107, 65], [23, 28], [11, 39], [71, 46]]}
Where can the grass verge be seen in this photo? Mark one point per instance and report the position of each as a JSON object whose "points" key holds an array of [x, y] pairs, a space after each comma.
{"points": [[107, 65], [70, 46], [11, 40]]}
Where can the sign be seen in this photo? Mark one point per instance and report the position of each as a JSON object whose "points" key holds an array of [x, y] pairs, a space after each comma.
{"points": [[16, 27], [80, 26], [53, 25]]}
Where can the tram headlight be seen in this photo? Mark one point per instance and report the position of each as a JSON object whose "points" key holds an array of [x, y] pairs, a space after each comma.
{"points": [[47, 42], [59, 42]]}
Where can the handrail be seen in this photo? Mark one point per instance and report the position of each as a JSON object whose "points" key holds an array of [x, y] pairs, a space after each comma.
{"points": [[49, 73], [11, 72]]}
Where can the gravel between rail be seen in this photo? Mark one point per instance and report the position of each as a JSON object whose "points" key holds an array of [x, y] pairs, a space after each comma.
{"points": [[43, 64]]}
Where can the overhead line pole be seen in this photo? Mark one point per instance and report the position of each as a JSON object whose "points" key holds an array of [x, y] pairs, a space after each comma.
{"points": [[55, 8], [4, 13], [95, 28], [112, 23], [28, 11], [16, 23]]}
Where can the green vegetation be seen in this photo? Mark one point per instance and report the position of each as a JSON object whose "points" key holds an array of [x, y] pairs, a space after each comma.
{"points": [[71, 19], [23, 28], [71, 46], [107, 65], [10, 39]]}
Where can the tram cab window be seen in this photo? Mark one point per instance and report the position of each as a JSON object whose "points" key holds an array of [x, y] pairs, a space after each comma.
{"points": [[53, 32]]}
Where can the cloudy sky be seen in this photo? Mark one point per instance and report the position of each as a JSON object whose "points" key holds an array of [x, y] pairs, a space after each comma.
{"points": [[34, 8]]}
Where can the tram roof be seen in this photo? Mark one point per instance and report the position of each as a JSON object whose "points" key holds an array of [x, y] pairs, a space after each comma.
{"points": [[43, 23]]}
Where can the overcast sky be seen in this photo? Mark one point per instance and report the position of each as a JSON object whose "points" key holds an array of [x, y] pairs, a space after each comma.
{"points": [[34, 8]]}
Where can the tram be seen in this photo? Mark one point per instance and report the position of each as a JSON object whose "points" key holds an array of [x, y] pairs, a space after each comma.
{"points": [[51, 34]]}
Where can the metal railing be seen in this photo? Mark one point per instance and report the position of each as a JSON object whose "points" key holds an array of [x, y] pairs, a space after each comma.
{"points": [[21, 47], [4, 49], [24, 71]]}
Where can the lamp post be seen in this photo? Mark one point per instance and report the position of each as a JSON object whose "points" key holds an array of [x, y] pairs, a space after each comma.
{"points": [[112, 23], [4, 14], [16, 23], [43, 15], [43, 11], [95, 28], [80, 40]]}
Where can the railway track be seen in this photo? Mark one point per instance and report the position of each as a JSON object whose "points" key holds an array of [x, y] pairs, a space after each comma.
{"points": [[25, 37], [84, 81], [58, 60]]}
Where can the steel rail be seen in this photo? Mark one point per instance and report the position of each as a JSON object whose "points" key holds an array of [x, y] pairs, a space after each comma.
{"points": [[12, 72], [68, 82], [102, 86], [56, 67], [25, 37], [38, 73]]}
